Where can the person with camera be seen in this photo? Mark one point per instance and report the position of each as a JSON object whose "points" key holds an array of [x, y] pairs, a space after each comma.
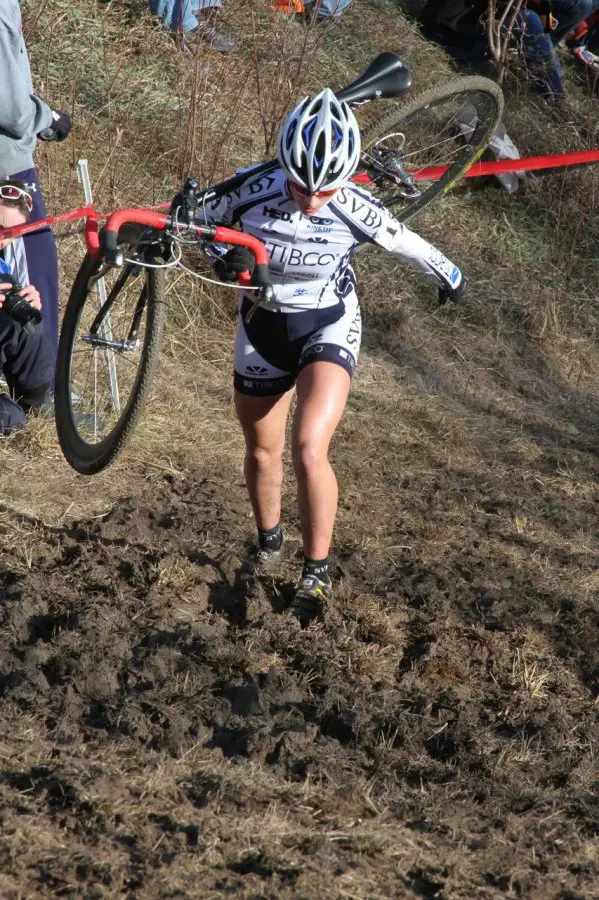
{"points": [[24, 117], [26, 357]]}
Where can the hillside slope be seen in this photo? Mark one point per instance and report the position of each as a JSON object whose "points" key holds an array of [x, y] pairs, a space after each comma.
{"points": [[165, 731]]}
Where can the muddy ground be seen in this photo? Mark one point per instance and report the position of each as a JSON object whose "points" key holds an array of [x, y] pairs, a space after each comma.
{"points": [[168, 732]]}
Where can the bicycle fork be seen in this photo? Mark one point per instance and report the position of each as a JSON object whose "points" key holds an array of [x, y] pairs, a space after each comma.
{"points": [[84, 180]]}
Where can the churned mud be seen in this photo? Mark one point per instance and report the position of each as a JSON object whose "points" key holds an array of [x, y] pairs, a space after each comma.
{"points": [[168, 732]]}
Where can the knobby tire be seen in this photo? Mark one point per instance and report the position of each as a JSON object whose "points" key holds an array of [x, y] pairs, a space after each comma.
{"points": [[90, 458], [483, 94]]}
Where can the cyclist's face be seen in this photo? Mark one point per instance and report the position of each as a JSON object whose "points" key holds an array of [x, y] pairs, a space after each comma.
{"points": [[10, 215], [307, 203]]}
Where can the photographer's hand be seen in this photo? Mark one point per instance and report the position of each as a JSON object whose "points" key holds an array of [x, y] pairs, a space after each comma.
{"points": [[29, 293], [32, 295], [4, 286]]}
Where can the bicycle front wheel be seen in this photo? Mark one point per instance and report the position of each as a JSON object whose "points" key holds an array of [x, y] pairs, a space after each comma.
{"points": [[107, 355], [448, 126]]}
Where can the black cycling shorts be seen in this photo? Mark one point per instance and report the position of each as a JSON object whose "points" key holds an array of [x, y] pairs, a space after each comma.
{"points": [[273, 347]]}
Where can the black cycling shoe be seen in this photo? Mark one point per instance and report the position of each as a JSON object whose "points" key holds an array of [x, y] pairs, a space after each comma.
{"points": [[311, 595], [265, 558]]}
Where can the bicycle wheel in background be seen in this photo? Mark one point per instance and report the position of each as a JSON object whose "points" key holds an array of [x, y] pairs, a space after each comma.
{"points": [[449, 125], [107, 355]]}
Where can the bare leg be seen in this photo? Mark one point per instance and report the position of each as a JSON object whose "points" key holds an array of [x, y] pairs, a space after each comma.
{"points": [[263, 422], [322, 390]]}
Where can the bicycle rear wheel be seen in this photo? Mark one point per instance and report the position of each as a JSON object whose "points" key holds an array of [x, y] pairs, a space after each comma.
{"points": [[107, 355], [447, 126]]}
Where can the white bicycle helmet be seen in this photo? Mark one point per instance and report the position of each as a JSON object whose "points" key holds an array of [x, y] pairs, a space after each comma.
{"points": [[319, 144]]}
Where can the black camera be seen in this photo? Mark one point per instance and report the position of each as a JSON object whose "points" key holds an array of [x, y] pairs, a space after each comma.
{"points": [[18, 308]]}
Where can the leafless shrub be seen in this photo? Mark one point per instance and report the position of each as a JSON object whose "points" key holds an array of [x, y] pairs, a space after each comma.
{"points": [[500, 24]]}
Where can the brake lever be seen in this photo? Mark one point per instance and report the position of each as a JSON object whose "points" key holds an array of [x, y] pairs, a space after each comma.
{"points": [[263, 293]]}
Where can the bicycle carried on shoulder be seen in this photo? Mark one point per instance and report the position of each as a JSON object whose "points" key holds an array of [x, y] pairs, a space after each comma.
{"points": [[109, 342]]}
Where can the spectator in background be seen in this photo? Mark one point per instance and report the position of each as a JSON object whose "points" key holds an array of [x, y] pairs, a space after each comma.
{"points": [[26, 357], [323, 11], [563, 16], [583, 41], [458, 25], [23, 116], [569, 22], [540, 26], [188, 17]]}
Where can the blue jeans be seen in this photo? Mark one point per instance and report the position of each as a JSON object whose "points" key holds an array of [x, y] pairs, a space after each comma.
{"points": [[569, 14], [326, 8], [529, 30], [539, 52], [180, 15]]}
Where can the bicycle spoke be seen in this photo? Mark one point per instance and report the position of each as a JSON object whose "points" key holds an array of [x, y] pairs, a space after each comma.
{"points": [[104, 362], [446, 129]]}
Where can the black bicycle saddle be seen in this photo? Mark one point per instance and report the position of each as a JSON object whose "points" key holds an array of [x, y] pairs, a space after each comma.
{"points": [[386, 76]]}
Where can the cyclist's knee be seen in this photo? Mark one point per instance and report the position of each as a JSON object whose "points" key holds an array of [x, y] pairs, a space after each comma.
{"points": [[309, 456], [264, 457]]}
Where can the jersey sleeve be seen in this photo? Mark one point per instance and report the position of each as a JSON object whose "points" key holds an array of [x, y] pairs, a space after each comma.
{"points": [[396, 238], [218, 212], [22, 113], [228, 209]]}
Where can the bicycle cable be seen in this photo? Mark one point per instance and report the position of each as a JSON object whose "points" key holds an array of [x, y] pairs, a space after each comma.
{"points": [[172, 264], [175, 263], [180, 240], [235, 287]]}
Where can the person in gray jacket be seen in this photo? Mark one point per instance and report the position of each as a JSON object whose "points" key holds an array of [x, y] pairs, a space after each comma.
{"points": [[23, 118]]}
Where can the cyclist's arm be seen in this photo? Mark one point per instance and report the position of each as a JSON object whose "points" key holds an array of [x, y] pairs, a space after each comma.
{"points": [[218, 212], [224, 211], [396, 238]]}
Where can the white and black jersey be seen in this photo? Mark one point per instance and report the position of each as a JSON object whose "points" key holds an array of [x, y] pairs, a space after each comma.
{"points": [[314, 314], [310, 255]]}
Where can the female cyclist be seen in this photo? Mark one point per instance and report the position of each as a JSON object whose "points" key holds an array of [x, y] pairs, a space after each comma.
{"points": [[306, 340]]}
